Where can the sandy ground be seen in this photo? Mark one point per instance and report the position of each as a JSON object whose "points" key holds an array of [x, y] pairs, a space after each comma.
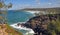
{"points": [[3, 30]]}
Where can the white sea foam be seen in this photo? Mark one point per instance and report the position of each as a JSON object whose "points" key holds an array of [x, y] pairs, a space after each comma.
{"points": [[23, 28], [33, 12]]}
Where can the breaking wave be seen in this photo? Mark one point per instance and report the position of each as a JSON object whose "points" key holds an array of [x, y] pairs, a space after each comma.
{"points": [[29, 30]]}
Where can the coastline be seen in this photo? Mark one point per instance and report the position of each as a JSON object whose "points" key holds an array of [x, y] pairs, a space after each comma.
{"points": [[29, 31], [32, 11]]}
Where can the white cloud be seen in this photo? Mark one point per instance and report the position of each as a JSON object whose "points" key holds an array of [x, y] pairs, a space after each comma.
{"points": [[49, 3], [43, 5]]}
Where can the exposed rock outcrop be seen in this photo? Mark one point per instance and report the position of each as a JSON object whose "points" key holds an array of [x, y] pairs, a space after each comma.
{"points": [[41, 24]]}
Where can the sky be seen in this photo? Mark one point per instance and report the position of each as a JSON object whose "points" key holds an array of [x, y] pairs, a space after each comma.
{"points": [[20, 4]]}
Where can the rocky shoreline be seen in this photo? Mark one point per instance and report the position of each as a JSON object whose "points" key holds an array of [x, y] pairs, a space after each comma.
{"points": [[44, 24]]}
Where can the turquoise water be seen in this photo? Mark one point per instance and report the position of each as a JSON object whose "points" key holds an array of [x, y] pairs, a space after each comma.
{"points": [[18, 16]]}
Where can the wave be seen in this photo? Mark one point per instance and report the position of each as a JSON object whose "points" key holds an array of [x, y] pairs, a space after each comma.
{"points": [[30, 31], [33, 12], [20, 22]]}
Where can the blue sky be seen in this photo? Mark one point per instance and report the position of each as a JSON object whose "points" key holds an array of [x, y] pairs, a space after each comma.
{"points": [[19, 4]]}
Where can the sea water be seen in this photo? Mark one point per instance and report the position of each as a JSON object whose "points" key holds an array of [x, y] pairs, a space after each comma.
{"points": [[18, 16]]}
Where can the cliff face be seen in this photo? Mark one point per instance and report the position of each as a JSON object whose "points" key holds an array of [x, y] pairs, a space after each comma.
{"points": [[5, 29], [48, 24]]}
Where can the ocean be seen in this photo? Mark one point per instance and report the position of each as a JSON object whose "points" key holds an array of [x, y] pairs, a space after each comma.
{"points": [[13, 17], [18, 16]]}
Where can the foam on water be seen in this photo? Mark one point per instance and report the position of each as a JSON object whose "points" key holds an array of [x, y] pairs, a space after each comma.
{"points": [[33, 12], [30, 31]]}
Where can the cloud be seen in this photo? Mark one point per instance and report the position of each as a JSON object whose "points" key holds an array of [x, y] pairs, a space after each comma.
{"points": [[37, 5], [21, 6]]}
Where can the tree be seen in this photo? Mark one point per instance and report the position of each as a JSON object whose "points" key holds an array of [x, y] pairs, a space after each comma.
{"points": [[3, 10], [1, 5]]}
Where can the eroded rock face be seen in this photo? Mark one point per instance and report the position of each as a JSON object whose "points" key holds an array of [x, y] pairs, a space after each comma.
{"points": [[40, 23]]}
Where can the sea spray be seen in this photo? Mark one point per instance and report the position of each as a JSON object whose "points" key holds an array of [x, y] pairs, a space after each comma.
{"points": [[28, 30]]}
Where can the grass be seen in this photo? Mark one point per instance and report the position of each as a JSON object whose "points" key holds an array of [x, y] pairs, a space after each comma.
{"points": [[10, 30], [54, 27]]}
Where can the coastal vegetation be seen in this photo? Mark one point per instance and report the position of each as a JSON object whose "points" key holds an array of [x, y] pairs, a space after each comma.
{"points": [[46, 24], [5, 29]]}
